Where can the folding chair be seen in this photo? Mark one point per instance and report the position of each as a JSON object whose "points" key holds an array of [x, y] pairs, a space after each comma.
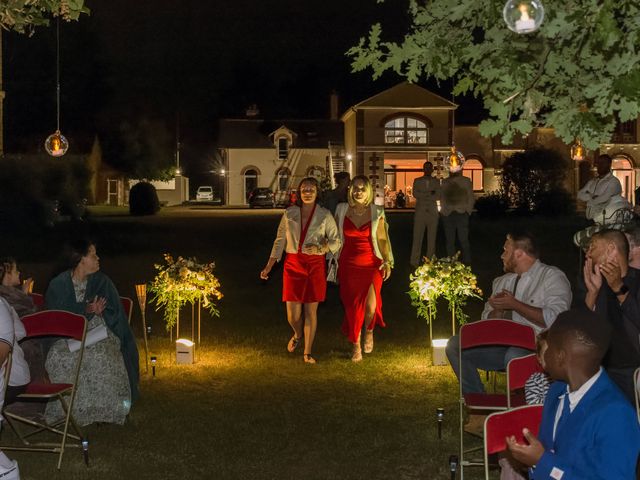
{"points": [[500, 425], [487, 333], [518, 372], [55, 323], [38, 299], [127, 304], [636, 385]]}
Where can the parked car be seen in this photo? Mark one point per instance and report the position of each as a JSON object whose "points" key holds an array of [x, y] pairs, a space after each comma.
{"points": [[204, 194], [262, 197]]}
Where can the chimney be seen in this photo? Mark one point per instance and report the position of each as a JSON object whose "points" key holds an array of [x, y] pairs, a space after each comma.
{"points": [[333, 105]]}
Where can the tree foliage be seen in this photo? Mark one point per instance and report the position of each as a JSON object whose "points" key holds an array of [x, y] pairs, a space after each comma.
{"points": [[578, 73], [528, 176], [23, 15]]}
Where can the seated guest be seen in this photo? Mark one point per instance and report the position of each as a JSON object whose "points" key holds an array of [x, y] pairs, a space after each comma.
{"points": [[11, 330], [530, 293], [109, 377], [588, 429], [613, 291], [632, 232], [13, 290]]}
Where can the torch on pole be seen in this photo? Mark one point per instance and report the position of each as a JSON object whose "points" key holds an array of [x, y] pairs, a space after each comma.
{"points": [[141, 293]]}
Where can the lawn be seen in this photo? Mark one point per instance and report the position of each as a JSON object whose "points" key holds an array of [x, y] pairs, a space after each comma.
{"points": [[247, 409]]}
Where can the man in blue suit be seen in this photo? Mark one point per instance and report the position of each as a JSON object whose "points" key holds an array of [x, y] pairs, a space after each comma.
{"points": [[589, 430]]}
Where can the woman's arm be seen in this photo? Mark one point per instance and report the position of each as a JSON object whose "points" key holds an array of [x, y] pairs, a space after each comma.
{"points": [[382, 237]]}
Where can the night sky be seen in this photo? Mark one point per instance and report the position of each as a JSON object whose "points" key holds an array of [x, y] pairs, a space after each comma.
{"points": [[197, 61]]}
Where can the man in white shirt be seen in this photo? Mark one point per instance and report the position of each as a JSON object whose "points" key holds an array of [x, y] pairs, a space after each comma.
{"points": [[601, 191], [588, 429], [426, 191], [456, 204], [529, 292]]}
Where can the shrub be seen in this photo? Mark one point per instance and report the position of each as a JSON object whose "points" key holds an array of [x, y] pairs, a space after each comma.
{"points": [[492, 205], [529, 174], [143, 199], [554, 202]]}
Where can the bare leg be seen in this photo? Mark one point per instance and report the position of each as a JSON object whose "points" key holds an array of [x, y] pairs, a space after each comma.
{"points": [[310, 325], [369, 315], [294, 316]]}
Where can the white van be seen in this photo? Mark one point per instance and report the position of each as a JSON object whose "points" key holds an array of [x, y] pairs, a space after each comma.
{"points": [[204, 194]]}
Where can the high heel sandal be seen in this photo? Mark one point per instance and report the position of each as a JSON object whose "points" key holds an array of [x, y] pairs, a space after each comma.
{"points": [[308, 358], [368, 341], [293, 344]]}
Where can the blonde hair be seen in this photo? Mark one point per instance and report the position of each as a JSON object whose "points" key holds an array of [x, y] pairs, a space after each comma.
{"points": [[368, 188]]}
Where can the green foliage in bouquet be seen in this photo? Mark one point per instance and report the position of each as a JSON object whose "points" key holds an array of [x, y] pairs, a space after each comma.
{"points": [[445, 277], [183, 281]]}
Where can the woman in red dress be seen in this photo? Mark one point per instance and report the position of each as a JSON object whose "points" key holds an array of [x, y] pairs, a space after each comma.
{"points": [[306, 232], [365, 261]]}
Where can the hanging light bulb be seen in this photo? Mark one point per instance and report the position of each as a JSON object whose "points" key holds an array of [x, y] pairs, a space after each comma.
{"points": [[56, 144], [578, 152], [523, 16], [454, 161]]}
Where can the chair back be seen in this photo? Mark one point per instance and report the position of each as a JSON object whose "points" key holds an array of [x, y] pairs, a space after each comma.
{"points": [[497, 332], [55, 322], [127, 304], [500, 425], [520, 369], [38, 299]]}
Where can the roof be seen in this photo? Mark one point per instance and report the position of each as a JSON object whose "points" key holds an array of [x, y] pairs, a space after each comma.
{"points": [[405, 95], [254, 133]]}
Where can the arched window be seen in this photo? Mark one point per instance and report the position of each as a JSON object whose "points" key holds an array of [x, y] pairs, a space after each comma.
{"points": [[284, 175], [250, 182], [406, 130], [474, 171], [622, 169]]}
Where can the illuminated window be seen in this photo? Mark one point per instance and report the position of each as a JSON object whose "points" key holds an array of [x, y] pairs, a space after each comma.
{"points": [[406, 130], [283, 148], [283, 178], [474, 171]]}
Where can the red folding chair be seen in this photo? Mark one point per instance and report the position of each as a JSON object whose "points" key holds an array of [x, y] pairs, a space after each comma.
{"points": [[38, 300], [500, 425], [518, 372], [55, 323], [486, 333], [127, 304]]}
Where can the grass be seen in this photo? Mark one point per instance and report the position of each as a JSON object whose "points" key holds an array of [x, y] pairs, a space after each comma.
{"points": [[249, 410]]}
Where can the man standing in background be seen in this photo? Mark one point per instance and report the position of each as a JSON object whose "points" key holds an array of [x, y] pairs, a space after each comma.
{"points": [[456, 206], [426, 191]]}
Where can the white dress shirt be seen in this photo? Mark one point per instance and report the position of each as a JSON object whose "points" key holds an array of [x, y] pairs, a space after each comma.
{"points": [[597, 193], [542, 286], [426, 191], [11, 332], [574, 398], [321, 227]]}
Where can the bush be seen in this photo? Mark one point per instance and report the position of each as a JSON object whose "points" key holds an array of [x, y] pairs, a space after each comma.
{"points": [[555, 202], [143, 199], [492, 205]]}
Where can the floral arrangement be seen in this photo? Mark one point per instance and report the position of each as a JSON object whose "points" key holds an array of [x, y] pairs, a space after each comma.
{"points": [[447, 278], [183, 281]]}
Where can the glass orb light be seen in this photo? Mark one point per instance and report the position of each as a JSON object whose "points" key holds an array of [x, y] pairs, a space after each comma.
{"points": [[578, 152], [454, 161], [523, 16], [56, 144]]}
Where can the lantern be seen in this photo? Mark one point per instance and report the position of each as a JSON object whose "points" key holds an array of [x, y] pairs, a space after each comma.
{"points": [[578, 152], [523, 16]]}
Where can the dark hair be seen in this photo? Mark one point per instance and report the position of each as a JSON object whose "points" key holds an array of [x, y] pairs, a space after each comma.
{"points": [[541, 337], [616, 237], [5, 266], [341, 176], [606, 157], [584, 327], [308, 180], [526, 242], [424, 165], [75, 250]]}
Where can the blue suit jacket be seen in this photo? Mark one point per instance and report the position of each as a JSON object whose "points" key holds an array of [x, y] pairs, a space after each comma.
{"points": [[601, 439]]}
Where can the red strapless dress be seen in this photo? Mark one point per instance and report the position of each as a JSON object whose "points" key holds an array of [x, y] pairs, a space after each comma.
{"points": [[358, 269], [304, 277]]}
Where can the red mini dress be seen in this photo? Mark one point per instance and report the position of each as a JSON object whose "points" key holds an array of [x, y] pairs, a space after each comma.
{"points": [[304, 278], [358, 269]]}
